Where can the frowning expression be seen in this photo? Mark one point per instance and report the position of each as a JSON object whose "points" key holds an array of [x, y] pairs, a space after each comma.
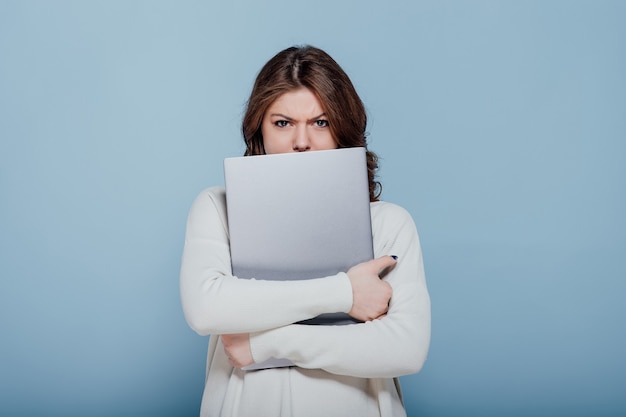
{"points": [[296, 122]]}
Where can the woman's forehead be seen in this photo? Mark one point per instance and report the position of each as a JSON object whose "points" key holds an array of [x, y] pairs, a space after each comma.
{"points": [[297, 101]]}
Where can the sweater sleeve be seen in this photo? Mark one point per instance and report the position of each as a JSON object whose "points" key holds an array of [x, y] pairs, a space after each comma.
{"points": [[215, 302], [392, 346]]}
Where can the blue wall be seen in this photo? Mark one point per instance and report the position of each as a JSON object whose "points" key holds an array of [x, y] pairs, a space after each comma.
{"points": [[501, 126]]}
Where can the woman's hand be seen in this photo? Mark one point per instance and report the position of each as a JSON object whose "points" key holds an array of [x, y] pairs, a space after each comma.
{"points": [[370, 294], [237, 348]]}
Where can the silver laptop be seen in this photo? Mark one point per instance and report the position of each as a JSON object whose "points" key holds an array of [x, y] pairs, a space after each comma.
{"points": [[299, 216]]}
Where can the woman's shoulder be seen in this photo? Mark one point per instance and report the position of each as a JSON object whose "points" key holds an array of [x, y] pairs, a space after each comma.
{"points": [[387, 209], [211, 199], [391, 225], [215, 194], [216, 191], [389, 216]]}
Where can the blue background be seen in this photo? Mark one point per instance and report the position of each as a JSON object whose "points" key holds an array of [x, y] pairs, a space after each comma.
{"points": [[501, 126]]}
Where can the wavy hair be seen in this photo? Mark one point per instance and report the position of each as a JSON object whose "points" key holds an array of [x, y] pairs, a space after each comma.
{"points": [[312, 68]]}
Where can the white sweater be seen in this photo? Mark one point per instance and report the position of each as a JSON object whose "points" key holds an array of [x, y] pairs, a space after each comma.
{"points": [[341, 370]]}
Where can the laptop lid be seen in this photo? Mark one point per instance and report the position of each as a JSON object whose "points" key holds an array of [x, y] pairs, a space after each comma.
{"points": [[298, 215]]}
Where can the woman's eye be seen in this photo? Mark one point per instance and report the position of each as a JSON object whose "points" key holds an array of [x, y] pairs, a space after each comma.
{"points": [[321, 123], [281, 123]]}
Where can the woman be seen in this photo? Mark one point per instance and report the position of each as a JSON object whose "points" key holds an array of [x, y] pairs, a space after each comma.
{"points": [[303, 101]]}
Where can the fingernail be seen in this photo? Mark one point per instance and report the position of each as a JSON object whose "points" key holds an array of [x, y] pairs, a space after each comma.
{"points": [[394, 257]]}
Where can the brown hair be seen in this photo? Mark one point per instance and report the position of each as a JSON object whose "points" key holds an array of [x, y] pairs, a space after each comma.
{"points": [[312, 68]]}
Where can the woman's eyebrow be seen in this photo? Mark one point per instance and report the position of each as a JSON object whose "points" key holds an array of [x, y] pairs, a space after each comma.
{"points": [[282, 116], [317, 117]]}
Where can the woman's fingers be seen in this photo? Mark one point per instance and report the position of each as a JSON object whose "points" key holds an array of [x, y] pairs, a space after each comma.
{"points": [[370, 294]]}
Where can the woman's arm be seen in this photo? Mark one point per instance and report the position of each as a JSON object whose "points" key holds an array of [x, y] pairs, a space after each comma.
{"points": [[215, 302], [394, 345]]}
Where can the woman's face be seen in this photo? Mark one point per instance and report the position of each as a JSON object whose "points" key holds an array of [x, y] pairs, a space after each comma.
{"points": [[296, 122]]}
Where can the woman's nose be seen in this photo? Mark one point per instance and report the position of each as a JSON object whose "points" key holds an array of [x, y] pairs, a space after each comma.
{"points": [[301, 141]]}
